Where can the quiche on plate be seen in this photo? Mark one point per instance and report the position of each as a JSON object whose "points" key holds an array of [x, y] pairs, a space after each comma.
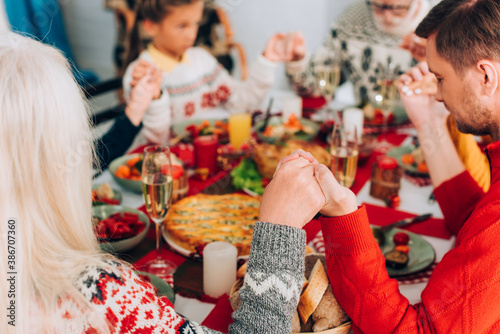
{"points": [[198, 220]]}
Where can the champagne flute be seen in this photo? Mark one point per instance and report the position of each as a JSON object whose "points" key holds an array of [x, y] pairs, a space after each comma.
{"points": [[326, 72], [157, 183], [386, 98], [344, 150]]}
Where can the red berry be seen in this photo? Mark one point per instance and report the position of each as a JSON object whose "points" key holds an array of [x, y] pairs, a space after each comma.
{"points": [[401, 238]]}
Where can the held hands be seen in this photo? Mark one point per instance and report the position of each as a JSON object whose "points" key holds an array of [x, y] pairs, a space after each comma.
{"points": [[340, 200], [300, 188], [418, 88], [145, 88], [293, 197], [289, 47]]}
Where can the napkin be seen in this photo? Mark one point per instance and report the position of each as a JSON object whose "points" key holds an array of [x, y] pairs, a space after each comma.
{"points": [[381, 216], [220, 317]]}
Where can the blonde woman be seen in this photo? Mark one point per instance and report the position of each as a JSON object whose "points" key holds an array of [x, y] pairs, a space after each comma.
{"points": [[53, 277]]}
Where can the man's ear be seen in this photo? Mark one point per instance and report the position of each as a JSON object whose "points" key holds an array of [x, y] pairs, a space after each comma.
{"points": [[489, 72], [150, 27]]}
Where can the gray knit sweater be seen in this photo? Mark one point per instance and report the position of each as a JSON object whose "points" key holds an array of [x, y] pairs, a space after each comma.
{"points": [[273, 280]]}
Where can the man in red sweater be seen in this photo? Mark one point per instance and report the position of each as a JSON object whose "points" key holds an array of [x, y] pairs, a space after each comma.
{"points": [[463, 294]]}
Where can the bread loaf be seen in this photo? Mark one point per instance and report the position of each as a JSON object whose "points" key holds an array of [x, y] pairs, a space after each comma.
{"points": [[313, 293]]}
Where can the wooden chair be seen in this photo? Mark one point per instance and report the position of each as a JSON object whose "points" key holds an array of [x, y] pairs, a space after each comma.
{"points": [[222, 47], [99, 89]]}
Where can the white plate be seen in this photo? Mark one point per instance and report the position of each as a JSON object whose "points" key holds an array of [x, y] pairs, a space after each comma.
{"points": [[249, 192], [181, 250]]}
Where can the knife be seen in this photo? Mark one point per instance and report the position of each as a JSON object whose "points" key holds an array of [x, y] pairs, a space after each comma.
{"points": [[407, 221], [268, 115]]}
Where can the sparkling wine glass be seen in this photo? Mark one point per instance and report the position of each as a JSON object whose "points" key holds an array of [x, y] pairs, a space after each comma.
{"points": [[326, 70], [157, 185], [386, 99], [344, 150]]}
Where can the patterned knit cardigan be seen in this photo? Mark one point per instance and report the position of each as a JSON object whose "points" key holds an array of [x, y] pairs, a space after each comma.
{"points": [[130, 305]]}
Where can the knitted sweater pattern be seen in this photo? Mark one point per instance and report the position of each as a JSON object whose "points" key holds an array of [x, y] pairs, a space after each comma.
{"points": [[269, 295], [362, 48]]}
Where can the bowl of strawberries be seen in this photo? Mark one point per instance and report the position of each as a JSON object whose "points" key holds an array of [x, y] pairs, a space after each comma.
{"points": [[119, 228]]}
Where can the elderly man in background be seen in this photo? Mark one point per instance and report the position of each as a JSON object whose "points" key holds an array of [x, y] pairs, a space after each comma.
{"points": [[366, 35]]}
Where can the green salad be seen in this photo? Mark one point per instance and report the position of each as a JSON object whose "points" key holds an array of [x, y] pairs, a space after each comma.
{"points": [[246, 175]]}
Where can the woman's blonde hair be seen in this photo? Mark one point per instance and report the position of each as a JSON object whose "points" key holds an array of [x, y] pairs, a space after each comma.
{"points": [[46, 155]]}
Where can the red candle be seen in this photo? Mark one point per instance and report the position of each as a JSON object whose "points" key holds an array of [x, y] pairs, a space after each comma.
{"points": [[205, 153]]}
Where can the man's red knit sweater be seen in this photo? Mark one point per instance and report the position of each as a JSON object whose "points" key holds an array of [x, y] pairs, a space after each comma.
{"points": [[463, 294]]}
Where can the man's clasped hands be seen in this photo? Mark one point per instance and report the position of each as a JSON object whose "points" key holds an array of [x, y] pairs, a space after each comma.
{"points": [[301, 187]]}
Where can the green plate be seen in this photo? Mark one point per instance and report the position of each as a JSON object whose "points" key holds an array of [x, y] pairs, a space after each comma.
{"points": [[104, 211], [135, 186], [421, 255], [398, 152], [116, 195], [164, 289], [278, 121]]}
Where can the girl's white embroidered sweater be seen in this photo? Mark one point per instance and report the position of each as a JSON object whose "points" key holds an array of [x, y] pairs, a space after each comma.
{"points": [[195, 86]]}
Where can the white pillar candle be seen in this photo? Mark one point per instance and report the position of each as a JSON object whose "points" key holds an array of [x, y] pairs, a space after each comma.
{"points": [[292, 105], [219, 268], [353, 118]]}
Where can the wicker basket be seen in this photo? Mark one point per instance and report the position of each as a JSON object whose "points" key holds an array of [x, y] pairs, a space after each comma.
{"points": [[342, 329], [180, 188], [310, 258]]}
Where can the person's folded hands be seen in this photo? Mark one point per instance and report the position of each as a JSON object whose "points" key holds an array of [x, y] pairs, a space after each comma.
{"points": [[286, 47], [293, 197], [141, 95], [144, 69], [418, 89]]}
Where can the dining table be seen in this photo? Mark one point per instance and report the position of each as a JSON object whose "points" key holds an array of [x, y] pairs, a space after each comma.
{"points": [[414, 199]]}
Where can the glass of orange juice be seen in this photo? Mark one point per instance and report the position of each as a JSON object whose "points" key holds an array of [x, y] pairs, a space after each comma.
{"points": [[239, 129]]}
